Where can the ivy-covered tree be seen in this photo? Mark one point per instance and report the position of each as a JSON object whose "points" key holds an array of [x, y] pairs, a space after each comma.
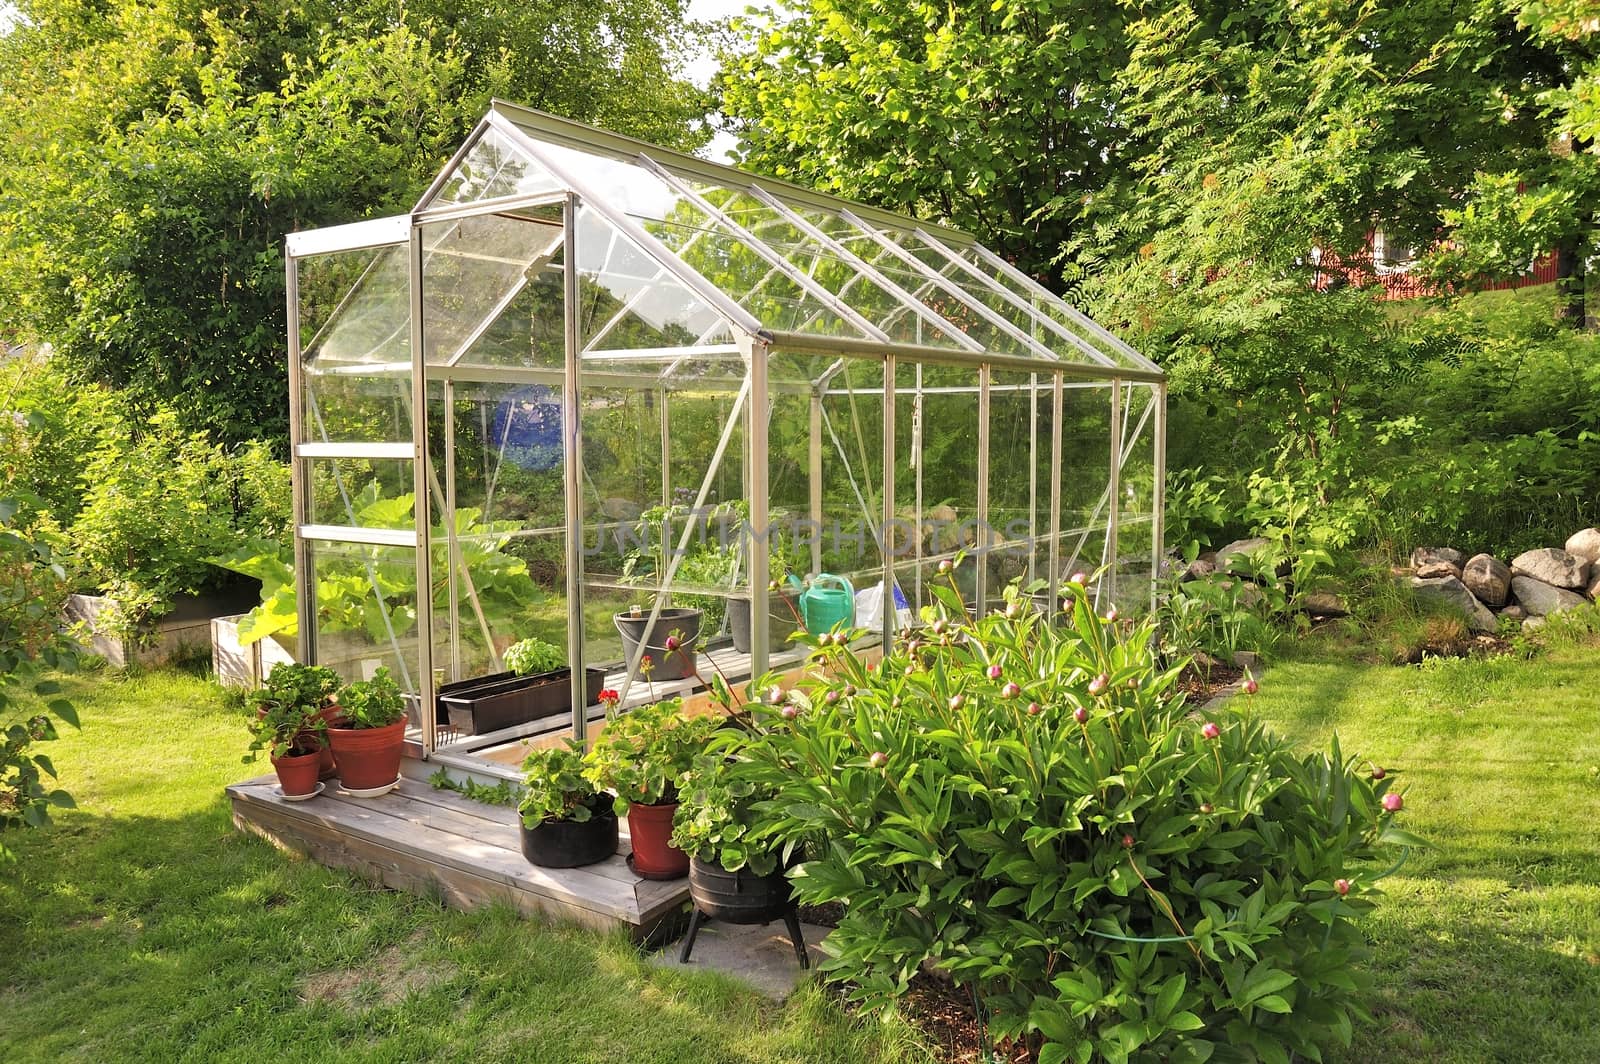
{"points": [[157, 151]]}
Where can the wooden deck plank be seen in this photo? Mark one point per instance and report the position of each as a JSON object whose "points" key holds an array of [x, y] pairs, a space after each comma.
{"points": [[574, 887]]}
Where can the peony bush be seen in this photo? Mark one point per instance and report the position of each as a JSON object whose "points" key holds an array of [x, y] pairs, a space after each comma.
{"points": [[1024, 804]]}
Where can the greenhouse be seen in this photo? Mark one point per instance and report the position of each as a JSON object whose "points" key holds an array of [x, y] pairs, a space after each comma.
{"points": [[643, 395]]}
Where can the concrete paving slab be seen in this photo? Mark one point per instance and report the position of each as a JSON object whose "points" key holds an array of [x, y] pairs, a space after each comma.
{"points": [[762, 956]]}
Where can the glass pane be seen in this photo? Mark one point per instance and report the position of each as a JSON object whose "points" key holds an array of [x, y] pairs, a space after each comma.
{"points": [[366, 610], [494, 167], [629, 301], [1136, 487], [944, 450], [499, 565], [360, 492], [1085, 476], [472, 269], [1019, 426], [356, 354]]}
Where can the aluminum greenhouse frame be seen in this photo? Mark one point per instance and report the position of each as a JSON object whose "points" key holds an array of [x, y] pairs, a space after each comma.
{"points": [[709, 336]]}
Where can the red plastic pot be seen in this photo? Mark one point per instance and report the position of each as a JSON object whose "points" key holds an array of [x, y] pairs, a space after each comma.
{"points": [[297, 773], [654, 856], [368, 757]]}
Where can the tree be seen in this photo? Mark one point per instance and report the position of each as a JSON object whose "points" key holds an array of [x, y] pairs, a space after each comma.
{"points": [[157, 151]]}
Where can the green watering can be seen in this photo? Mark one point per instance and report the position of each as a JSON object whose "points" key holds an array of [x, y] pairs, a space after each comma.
{"points": [[829, 603]]}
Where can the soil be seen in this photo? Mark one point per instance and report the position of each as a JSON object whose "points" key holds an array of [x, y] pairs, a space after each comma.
{"points": [[944, 1016], [1201, 685]]}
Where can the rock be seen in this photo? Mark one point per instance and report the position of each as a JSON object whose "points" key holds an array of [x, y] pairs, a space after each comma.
{"points": [[1324, 604], [1553, 566], [1533, 624], [1488, 578], [1435, 570], [1516, 613], [1249, 596], [1203, 566], [1429, 555], [1594, 585], [1233, 554], [1248, 660], [1452, 592], [1585, 545], [1540, 598]]}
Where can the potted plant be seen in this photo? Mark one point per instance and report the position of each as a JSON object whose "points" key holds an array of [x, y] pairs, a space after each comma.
{"points": [[669, 643], [369, 736], [639, 757], [294, 735], [733, 875], [566, 821], [536, 685], [309, 687]]}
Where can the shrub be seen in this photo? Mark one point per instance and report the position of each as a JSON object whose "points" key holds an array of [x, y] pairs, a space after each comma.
{"points": [[717, 819], [1108, 874]]}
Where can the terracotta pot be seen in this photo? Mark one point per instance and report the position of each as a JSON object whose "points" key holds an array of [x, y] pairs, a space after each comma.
{"points": [[654, 856], [368, 757], [326, 769], [297, 773]]}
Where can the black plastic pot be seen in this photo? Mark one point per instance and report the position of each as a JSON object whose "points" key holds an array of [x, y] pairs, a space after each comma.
{"points": [[504, 699], [740, 897], [781, 623], [571, 844], [669, 665]]}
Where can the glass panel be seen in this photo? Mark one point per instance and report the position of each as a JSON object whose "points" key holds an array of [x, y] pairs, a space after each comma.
{"points": [[1136, 486], [946, 453], [494, 167], [499, 566], [1085, 475], [826, 514], [366, 610], [360, 492], [356, 342], [472, 269], [628, 301], [1019, 426]]}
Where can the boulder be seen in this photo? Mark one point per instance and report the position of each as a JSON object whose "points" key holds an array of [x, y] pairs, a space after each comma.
{"points": [[1202, 567], [1233, 554], [1429, 555], [1540, 598], [1533, 623], [1585, 545], [1250, 595], [1515, 613], [1324, 604], [1488, 578], [1594, 584], [1452, 592], [1435, 570], [1553, 566]]}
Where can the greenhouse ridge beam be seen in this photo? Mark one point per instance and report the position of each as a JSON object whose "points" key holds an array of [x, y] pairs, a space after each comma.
{"points": [[834, 345], [591, 138]]}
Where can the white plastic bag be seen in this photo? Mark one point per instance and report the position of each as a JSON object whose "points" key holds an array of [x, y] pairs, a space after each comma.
{"points": [[869, 608]]}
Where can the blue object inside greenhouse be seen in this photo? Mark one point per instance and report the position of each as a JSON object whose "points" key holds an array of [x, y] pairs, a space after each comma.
{"points": [[527, 428]]}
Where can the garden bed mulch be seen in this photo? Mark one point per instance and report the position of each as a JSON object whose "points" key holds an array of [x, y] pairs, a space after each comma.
{"points": [[1202, 685]]}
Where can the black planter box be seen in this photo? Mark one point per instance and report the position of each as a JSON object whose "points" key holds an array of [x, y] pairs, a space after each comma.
{"points": [[504, 699]]}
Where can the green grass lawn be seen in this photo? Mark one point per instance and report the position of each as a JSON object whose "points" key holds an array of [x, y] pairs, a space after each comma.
{"points": [[1488, 946], [143, 927]]}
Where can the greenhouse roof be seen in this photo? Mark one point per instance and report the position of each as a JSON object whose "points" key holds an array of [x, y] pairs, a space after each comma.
{"points": [[699, 252]]}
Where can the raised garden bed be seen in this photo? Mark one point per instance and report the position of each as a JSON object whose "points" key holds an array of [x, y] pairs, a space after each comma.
{"points": [[504, 699]]}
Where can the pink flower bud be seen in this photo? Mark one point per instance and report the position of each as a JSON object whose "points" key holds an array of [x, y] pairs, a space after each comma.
{"points": [[1034, 709], [672, 642], [957, 701], [774, 694], [1205, 807], [1010, 690], [1013, 611], [994, 672], [1250, 685], [789, 712], [1342, 886], [946, 565], [849, 690], [831, 697], [1133, 683], [1099, 683], [1111, 615], [1378, 773], [878, 759], [1080, 715], [1080, 578], [1393, 803], [1127, 842], [1210, 730]]}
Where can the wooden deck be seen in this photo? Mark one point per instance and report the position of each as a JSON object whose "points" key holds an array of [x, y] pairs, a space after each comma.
{"points": [[420, 839]]}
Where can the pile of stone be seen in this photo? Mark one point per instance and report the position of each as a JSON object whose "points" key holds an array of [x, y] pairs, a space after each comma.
{"points": [[1536, 584]]}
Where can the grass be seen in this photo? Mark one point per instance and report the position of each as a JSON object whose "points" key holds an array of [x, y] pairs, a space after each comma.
{"points": [[143, 927], [1488, 946]]}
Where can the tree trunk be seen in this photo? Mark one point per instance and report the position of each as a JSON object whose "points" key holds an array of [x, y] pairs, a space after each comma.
{"points": [[1570, 285]]}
